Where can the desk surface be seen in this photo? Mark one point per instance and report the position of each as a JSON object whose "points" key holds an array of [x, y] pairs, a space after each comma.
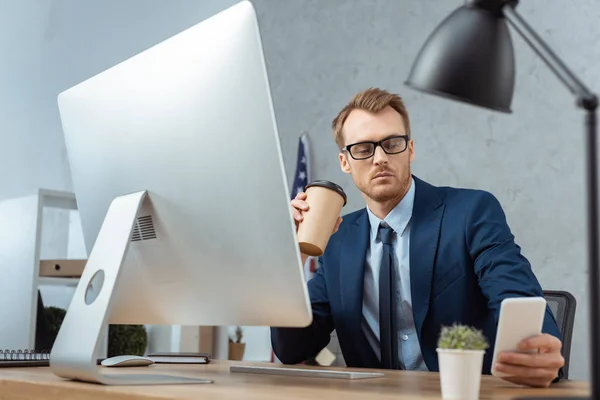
{"points": [[40, 382]]}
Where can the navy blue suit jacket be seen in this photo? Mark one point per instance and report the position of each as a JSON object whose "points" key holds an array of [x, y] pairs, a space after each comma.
{"points": [[463, 263]]}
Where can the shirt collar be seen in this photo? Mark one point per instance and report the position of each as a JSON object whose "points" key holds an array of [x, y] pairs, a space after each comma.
{"points": [[399, 217]]}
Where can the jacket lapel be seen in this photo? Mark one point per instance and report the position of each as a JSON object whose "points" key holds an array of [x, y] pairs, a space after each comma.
{"points": [[352, 271], [425, 227]]}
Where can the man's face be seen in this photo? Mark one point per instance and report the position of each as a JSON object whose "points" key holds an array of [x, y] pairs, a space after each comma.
{"points": [[381, 177]]}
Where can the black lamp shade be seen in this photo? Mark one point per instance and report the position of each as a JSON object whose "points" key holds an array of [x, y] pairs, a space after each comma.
{"points": [[470, 58]]}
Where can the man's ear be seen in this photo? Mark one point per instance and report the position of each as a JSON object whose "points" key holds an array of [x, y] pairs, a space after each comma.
{"points": [[411, 149], [344, 164]]}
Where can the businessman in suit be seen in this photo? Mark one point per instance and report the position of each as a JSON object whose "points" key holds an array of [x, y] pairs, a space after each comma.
{"points": [[417, 257]]}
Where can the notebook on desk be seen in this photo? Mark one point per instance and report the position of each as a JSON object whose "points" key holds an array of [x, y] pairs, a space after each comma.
{"points": [[180, 358], [23, 358]]}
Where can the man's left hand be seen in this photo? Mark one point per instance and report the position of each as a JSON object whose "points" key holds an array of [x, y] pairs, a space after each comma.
{"points": [[536, 369]]}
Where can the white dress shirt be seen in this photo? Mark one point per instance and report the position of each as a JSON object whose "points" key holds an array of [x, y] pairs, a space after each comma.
{"points": [[408, 343]]}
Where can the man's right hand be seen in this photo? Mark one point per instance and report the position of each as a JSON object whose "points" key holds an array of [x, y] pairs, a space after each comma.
{"points": [[299, 205]]}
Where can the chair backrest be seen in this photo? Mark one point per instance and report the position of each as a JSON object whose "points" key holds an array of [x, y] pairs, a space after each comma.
{"points": [[563, 305]]}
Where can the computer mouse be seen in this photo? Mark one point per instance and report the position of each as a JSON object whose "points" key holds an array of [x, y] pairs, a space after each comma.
{"points": [[127, 361]]}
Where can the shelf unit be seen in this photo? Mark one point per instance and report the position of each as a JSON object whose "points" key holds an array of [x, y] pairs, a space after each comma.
{"points": [[58, 281], [37, 231], [30, 227]]}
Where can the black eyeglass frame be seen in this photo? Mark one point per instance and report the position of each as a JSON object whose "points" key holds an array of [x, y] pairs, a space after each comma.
{"points": [[406, 138]]}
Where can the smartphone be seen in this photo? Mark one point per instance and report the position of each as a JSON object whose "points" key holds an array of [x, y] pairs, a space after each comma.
{"points": [[520, 318]]}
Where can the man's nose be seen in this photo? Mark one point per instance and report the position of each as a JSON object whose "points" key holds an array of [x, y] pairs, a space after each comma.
{"points": [[380, 156]]}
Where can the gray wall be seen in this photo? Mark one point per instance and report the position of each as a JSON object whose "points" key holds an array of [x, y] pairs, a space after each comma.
{"points": [[48, 47], [319, 53], [31, 151]]}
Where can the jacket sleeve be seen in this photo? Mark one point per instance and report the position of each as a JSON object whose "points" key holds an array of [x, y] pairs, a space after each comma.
{"points": [[501, 269], [295, 345]]}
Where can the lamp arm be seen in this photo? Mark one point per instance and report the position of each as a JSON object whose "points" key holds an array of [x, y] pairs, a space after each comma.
{"points": [[585, 98]]}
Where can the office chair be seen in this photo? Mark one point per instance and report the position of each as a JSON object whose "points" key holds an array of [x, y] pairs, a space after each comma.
{"points": [[563, 305]]}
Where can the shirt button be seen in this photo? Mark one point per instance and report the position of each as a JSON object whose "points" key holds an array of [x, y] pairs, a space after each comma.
{"points": [[405, 337]]}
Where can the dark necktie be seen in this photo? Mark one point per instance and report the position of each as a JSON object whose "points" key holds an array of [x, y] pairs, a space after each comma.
{"points": [[388, 324]]}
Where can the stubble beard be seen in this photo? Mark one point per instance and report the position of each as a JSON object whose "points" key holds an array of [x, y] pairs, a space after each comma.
{"points": [[391, 191]]}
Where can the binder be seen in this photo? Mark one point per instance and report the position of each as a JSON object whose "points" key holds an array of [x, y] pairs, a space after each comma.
{"points": [[62, 268]]}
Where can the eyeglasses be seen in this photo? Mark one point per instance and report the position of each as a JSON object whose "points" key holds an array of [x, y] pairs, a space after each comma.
{"points": [[390, 145]]}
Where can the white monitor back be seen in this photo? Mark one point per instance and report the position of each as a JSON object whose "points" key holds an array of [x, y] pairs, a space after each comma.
{"points": [[191, 121]]}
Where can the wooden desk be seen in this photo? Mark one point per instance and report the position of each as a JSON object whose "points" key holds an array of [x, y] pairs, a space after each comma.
{"points": [[40, 383]]}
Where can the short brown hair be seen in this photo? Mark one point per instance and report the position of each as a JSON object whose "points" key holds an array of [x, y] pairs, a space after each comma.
{"points": [[373, 100]]}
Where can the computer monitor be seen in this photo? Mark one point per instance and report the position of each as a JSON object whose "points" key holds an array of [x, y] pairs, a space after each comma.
{"points": [[180, 184]]}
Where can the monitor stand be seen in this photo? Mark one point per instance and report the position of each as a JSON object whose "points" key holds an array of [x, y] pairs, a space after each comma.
{"points": [[75, 350]]}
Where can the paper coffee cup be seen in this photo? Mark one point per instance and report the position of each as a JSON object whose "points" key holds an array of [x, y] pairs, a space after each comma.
{"points": [[325, 201]]}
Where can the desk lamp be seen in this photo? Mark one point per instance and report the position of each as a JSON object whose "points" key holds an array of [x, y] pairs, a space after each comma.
{"points": [[469, 58]]}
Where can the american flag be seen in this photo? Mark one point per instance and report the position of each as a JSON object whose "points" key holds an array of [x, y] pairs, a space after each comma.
{"points": [[302, 176], [301, 179]]}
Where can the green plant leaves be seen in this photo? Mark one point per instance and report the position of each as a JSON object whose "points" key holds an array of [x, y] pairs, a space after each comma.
{"points": [[462, 337]]}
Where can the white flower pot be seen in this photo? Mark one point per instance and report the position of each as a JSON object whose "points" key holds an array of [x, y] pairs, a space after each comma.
{"points": [[460, 373]]}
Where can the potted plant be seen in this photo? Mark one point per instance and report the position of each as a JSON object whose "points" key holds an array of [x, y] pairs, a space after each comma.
{"points": [[127, 340], [122, 339], [460, 355], [236, 346]]}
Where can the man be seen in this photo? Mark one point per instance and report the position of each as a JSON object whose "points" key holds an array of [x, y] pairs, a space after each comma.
{"points": [[416, 258]]}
